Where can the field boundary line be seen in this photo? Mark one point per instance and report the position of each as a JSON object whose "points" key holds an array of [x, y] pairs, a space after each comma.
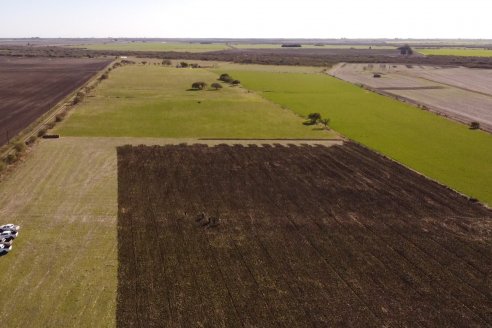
{"points": [[267, 139], [469, 198]]}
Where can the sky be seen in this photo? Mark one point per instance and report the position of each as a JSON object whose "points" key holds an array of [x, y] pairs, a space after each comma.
{"points": [[247, 19]]}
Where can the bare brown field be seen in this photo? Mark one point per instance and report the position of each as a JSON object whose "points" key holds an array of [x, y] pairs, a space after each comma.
{"points": [[478, 80], [29, 87], [305, 236], [460, 93]]}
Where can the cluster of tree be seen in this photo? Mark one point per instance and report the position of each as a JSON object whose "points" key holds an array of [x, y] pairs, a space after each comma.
{"points": [[406, 50], [474, 125], [315, 118], [292, 45], [187, 65], [203, 85], [228, 79], [199, 85]]}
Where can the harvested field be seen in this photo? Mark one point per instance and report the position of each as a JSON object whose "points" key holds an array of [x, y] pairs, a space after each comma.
{"points": [[29, 87], [460, 93], [306, 236]]}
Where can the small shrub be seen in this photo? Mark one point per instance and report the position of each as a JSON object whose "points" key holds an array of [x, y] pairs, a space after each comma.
{"points": [[20, 147], [216, 86], [51, 125], [236, 82], [31, 140], [199, 85], [60, 117], [474, 125], [325, 122], [166, 62], [226, 78], [11, 158], [79, 97], [183, 64], [105, 76], [313, 118], [42, 132]]}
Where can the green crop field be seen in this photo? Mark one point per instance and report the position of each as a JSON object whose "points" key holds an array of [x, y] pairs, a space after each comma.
{"points": [[154, 101], [469, 52], [156, 46], [441, 149]]}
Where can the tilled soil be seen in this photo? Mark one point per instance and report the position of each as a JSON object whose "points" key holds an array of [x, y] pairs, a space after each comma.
{"points": [[451, 92], [303, 236], [29, 87]]}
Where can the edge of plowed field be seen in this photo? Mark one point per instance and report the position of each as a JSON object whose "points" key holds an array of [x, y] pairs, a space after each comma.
{"points": [[49, 116], [471, 199]]}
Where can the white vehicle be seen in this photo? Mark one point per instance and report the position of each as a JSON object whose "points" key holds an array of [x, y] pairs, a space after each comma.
{"points": [[4, 249], [8, 234], [10, 226], [5, 241]]}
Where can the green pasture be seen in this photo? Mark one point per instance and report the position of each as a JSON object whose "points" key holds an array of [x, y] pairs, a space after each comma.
{"points": [[439, 148], [465, 52], [156, 101]]}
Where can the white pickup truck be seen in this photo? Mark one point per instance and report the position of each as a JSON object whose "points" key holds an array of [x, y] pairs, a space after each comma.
{"points": [[4, 248]]}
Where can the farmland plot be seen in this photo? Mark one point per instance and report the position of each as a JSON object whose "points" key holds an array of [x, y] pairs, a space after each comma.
{"points": [[304, 236], [155, 101], [460, 93], [29, 87], [439, 148]]}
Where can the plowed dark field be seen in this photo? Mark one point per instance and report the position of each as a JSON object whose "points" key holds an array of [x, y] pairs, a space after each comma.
{"points": [[306, 236], [29, 87]]}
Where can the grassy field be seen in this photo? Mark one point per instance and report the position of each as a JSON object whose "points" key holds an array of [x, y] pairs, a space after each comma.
{"points": [[439, 148], [62, 269], [470, 52], [156, 46], [151, 101]]}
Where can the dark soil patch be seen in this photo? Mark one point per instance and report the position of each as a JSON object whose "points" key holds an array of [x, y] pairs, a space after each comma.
{"points": [[29, 87], [302, 236]]}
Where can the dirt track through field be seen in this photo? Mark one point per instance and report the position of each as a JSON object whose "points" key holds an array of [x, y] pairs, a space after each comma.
{"points": [[29, 87], [307, 236]]}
